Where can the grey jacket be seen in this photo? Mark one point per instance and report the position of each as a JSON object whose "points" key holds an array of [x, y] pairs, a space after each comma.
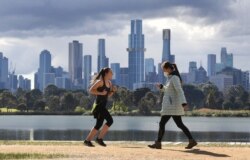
{"points": [[173, 97]]}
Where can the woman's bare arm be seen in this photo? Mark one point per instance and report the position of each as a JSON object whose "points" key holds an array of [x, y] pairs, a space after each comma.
{"points": [[93, 89]]}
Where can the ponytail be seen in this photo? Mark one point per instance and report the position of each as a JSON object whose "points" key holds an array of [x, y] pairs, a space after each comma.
{"points": [[177, 73], [101, 74], [173, 67]]}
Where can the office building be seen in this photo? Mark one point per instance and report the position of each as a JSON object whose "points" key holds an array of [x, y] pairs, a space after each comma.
{"points": [[211, 64], [87, 67], [116, 73], [103, 61], [136, 51]]}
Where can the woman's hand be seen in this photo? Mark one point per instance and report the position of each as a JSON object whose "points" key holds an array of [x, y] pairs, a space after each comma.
{"points": [[158, 85], [185, 106], [103, 93]]}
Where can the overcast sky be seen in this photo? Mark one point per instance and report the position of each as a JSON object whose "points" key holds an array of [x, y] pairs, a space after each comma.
{"points": [[198, 28]]}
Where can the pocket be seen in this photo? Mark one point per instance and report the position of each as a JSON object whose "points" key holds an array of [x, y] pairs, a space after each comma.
{"points": [[170, 100]]}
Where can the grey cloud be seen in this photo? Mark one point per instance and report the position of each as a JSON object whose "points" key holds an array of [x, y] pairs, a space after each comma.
{"points": [[72, 17]]}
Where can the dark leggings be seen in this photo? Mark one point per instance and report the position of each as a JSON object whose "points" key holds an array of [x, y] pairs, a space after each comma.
{"points": [[104, 116], [178, 122]]}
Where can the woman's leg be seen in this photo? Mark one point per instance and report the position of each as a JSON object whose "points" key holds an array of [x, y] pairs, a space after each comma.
{"points": [[93, 132], [164, 120], [179, 123], [105, 128]]}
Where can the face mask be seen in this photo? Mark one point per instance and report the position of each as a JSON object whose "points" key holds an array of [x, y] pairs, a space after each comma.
{"points": [[165, 74]]}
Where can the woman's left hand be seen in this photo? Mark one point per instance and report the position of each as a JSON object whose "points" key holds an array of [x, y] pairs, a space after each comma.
{"points": [[185, 106]]}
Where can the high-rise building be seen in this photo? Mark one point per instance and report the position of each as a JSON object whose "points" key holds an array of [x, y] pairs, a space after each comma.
{"points": [[166, 52], [49, 79], [222, 81], [150, 72], [211, 64], [103, 61], [3, 72], [12, 82], [24, 83], [226, 58], [136, 51], [116, 72], [124, 77], [201, 75], [44, 67], [192, 66], [75, 63], [87, 66]]}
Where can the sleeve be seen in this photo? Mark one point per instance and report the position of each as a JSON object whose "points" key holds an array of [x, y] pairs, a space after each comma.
{"points": [[177, 86], [163, 87]]}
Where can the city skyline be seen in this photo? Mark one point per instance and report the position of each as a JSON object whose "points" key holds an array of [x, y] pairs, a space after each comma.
{"points": [[195, 30]]}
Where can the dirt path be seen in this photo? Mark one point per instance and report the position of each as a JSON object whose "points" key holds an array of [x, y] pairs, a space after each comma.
{"points": [[133, 151]]}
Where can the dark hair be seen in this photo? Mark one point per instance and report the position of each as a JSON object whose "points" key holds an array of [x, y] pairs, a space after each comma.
{"points": [[101, 74], [173, 67]]}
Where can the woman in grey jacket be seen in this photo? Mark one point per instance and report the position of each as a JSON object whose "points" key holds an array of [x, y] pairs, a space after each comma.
{"points": [[173, 104]]}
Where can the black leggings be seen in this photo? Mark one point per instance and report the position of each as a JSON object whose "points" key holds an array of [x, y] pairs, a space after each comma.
{"points": [[178, 122], [100, 119]]}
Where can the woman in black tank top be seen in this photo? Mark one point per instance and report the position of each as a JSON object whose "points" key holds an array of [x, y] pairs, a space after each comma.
{"points": [[102, 88]]}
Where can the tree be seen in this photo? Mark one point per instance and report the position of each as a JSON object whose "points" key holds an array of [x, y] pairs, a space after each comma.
{"points": [[31, 97], [144, 107], [68, 102], [194, 96], [54, 103], [8, 100], [39, 105], [22, 107], [237, 96], [138, 94], [213, 97]]}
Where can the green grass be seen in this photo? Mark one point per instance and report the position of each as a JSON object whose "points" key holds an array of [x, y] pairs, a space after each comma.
{"points": [[9, 110], [30, 156]]}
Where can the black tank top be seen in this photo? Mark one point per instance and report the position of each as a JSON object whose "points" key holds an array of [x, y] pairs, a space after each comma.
{"points": [[102, 99]]}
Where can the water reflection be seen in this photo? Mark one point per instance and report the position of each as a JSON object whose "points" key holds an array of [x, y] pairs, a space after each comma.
{"points": [[130, 135]]}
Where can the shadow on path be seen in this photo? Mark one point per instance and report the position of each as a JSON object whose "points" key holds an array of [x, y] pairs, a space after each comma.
{"points": [[202, 152]]}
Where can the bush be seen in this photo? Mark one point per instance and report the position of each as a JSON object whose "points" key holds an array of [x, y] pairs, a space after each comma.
{"points": [[79, 109]]}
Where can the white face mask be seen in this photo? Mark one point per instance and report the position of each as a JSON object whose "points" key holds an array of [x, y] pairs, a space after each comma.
{"points": [[165, 74]]}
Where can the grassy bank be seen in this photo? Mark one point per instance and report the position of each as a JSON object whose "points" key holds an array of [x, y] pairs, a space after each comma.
{"points": [[203, 112]]}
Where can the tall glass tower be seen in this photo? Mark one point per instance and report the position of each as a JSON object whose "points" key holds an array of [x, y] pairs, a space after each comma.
{"points": [[136, 53], [103, 61], [75, 63], [44, 67], [166, 52], [87, 70]]}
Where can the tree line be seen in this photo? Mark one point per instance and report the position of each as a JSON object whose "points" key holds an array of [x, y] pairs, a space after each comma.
{"points": [[143, 100]]}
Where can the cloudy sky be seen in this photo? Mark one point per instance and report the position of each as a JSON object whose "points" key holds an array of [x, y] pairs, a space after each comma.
{"points": [[198, 27]]}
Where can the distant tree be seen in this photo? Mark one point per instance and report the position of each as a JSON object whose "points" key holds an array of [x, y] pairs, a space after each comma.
{"points": [[144, 107], [138, 94], [54, 103], [194, 96], [39, 105], [22, 107], [68, 102], [8, 100], [31, 97]]}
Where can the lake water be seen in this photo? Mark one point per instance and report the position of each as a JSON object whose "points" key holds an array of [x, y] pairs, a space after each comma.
{"points": [[124, 128]]}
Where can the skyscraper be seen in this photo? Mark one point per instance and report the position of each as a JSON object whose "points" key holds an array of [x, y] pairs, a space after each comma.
{"points": [[166, 51], [226, 58], [3, 72], [116, 72], [75, 63], [136, 53], [44, 67], [211, 64], [87, 70], [150, 72], [103, 61]]}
